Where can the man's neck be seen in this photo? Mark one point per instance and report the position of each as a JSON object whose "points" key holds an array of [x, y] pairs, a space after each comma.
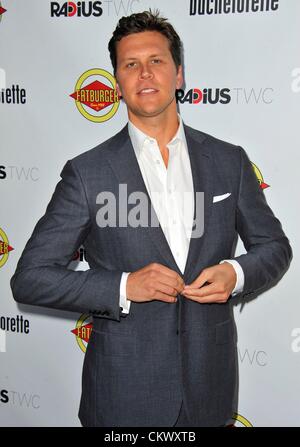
{"points": [[162, 129]]}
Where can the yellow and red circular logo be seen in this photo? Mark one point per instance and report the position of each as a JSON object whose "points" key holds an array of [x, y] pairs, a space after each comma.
{"points": [[83, 331], [241, 421], [5, 248], [259, 176], [95, 95]]}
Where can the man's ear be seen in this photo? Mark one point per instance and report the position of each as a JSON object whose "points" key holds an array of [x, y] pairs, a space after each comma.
{"points": [[179, 77], [118, 90]]}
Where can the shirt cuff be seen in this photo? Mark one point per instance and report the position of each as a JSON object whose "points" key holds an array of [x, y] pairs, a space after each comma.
{"points": [[240, 277], [124, 302]]}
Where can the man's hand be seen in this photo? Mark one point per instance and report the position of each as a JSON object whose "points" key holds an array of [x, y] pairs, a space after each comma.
{"points": [[220, 280], [154, 282]]}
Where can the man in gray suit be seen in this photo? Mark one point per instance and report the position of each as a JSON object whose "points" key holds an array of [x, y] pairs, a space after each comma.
{"points": [[163, 347]]}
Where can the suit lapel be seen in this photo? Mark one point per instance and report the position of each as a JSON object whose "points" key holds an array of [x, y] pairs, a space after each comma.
{"points": [[126, 168], [201, 165]]}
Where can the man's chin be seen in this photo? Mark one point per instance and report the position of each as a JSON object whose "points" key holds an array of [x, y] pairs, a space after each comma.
{"points": [[148, 113]]}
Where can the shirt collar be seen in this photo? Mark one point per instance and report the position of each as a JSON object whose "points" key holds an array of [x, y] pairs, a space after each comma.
{"points": [[138, 137]]}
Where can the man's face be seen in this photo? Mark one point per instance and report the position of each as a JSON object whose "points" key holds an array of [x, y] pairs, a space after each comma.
{"points": [[146, 74]]}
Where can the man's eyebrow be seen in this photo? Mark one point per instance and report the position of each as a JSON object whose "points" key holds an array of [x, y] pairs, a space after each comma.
{"points": [[131, 58]]}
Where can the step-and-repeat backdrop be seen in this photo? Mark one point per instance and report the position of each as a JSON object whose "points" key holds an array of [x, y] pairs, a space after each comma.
{"points": [[242, 84]]}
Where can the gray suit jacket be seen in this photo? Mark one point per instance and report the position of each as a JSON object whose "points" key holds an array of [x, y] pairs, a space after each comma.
{"points": [[139, 368]]}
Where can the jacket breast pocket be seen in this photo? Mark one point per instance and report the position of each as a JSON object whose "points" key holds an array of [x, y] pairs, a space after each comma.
{"points": [[223, 211], [221, 197]]}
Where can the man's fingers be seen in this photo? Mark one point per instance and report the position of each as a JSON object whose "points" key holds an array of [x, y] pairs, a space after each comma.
{"points": [[156, 267], [218, 298], [204, 277], [167, 289], [210, 289], [167, 272], [154, 281], [160, 296], [171, 281]]}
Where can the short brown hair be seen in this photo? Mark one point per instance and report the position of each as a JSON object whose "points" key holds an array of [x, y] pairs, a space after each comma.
{"points": [[145, 21]]}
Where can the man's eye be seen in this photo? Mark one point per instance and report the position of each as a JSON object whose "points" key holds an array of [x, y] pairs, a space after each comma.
{"points": [[131, 65], [156, 61]]}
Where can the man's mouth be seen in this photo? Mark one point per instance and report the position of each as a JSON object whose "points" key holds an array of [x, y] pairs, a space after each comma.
{"points": [[147, 91]]}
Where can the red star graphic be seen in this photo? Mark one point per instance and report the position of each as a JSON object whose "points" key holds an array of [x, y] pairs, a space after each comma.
{"points": [[5, 248], [83, 332]]}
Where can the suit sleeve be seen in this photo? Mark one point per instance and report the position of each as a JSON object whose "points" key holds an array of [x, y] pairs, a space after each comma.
{"points": [[42, 276], [268, 249]]}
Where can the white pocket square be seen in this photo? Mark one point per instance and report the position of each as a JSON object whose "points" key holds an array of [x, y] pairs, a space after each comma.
{"points": [[222, 197]]}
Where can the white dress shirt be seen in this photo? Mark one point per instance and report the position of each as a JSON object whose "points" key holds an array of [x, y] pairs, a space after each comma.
{"points": [[172, 195]]}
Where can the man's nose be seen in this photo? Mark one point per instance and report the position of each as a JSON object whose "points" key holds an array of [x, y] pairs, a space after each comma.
{"points": [[146, 72]]}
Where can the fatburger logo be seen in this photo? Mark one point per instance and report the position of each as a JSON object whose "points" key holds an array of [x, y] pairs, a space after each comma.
{"points": [[83, 331], [259, 176], [95, 95], [5, 248], [2, 11]]}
